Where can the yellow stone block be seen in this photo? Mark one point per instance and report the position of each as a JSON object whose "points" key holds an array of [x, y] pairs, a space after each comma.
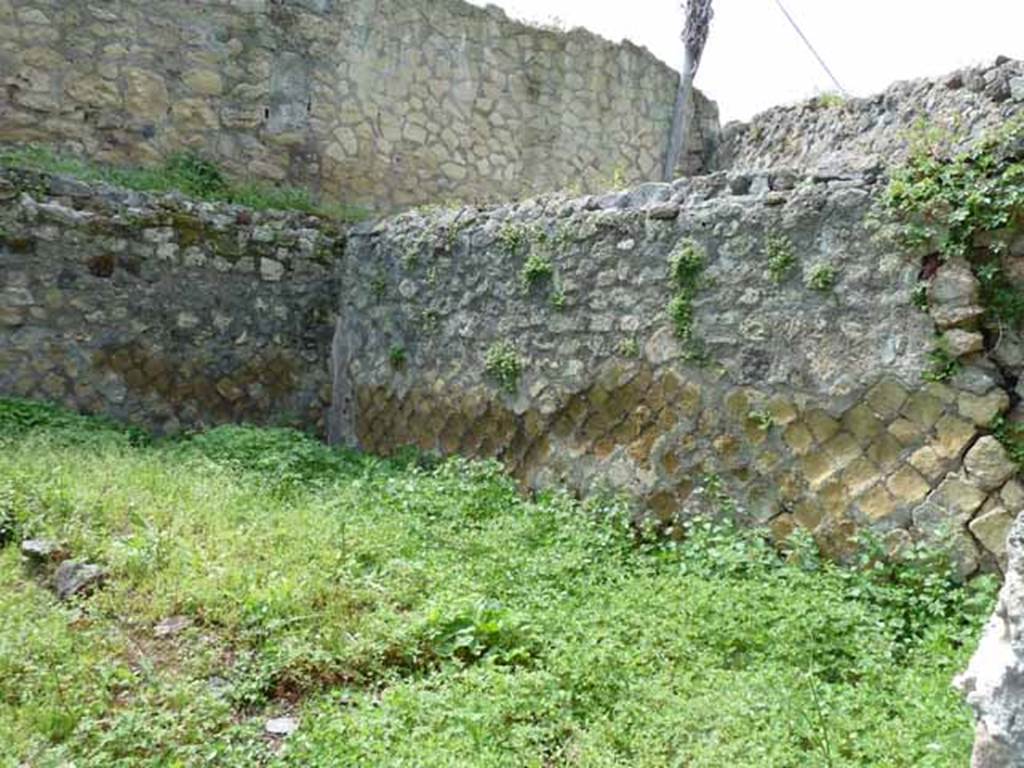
{"points": [[907, 485], [783, 412], [886, 398], [842, 449], [927, 461], [952, 435], [885, 451], [822, 425], [809, 514], [798, 438], [877, 503], [923, 409], [737, 405], [862, 423], [906, 431], [816, 468], [982, 409], [860, 475]]}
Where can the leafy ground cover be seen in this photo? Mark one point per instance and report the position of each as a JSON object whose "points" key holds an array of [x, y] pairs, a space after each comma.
{"points": [[423, 613], [184, 172]]}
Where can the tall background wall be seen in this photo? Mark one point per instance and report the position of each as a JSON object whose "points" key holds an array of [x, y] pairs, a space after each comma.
{"points": [[385, 103]]}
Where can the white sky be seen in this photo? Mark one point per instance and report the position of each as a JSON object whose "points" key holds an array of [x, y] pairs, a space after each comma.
{"points": [[755, 60]]}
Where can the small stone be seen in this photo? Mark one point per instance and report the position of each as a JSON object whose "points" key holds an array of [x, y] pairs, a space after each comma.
{"points": [[991, 529], [1013, 496], [822, 425], [172, 626], [952, 435], [981, 409], [877, 504], [1017, 88], [960, 343], [973, 379], [74, 578], [204, 82], [905, 431], [988, 464], [39, 551], [798, 438], [926, 461], [956, 497], [886, 398], [907, 485], [950, 317], [271, 270], [923, 409], [954, 285], [663, 211], [281, 726]]}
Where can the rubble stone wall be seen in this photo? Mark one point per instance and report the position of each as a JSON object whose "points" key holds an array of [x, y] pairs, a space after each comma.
{"points": [[789, 376], [383, 103], [163, 312]]}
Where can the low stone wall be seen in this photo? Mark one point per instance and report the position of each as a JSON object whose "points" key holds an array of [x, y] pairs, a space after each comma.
{"points": [[384, 103], [544, 334], [834, 132], [160, 311]]}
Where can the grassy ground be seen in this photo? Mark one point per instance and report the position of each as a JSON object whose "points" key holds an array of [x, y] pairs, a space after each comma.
{"points": [[182, 172], [417, 615]]}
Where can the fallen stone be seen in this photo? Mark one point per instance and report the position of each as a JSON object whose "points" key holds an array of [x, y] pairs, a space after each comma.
{"points": [[281, 726], [988, 464], [172, 626], [42, 551], [75, 579]]}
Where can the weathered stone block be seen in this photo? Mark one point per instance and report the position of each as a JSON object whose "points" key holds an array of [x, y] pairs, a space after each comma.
{"points": [[988, 464]]}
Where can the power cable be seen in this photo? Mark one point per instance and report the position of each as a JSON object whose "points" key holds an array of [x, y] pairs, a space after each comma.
{"points": [[811, 47]]}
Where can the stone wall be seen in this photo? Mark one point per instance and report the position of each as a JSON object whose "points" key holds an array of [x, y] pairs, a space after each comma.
{"points": [[833, 132], [162, 312], [799, 391], [386, 103]]}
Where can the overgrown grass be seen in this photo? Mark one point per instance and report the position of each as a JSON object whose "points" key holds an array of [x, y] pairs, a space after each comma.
{"points": [[184, 172], [415, 613]]}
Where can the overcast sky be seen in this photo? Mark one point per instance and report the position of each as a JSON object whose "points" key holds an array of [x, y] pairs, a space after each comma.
{"points": [[755, 60]]}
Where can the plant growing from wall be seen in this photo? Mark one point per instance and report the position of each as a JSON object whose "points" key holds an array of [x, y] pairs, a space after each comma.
{"points": [[558, 297], [503, 364], [628, 347], [512, 238], [397, 356], [919, 296], [762, 419], [686, 266], [965, 204], [778, 250], [951, 199], [537, 268], [942, 366], [1011, 435], [822, 277]]}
